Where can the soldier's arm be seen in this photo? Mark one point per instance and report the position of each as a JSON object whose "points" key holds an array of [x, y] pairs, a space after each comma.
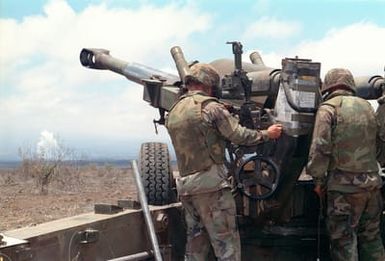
{"points": [[321, 147], [229, 127]]}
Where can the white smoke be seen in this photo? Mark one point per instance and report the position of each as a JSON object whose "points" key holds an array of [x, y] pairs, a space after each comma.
{"points": [[47, 146]]}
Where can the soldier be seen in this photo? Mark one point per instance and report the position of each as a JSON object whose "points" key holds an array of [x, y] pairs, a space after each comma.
{"points": [[199, 126], [380, 114], [342, 161]]}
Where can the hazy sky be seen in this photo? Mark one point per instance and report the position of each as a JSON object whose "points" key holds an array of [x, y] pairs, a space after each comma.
{"points": [[44, 90]]}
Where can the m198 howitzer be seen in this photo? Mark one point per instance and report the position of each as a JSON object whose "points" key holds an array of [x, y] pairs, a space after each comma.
{"points": [[277, 211], [266, 175]]}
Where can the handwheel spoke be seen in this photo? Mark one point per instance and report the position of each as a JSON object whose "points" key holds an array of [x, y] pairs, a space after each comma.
{"points": [[257, 168], [257, 181], [264, 183]]}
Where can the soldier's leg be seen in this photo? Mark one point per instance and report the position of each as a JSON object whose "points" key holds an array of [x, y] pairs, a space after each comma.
{"points": [[343, 239], [198, 245], [370, 245], [221, 226]]}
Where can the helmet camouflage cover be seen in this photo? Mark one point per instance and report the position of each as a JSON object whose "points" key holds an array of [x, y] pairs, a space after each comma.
{"points": [[338, 78], [203, 73]]}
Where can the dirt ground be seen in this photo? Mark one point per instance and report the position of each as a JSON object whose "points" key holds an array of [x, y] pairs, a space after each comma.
{"points": [[22, 203]]}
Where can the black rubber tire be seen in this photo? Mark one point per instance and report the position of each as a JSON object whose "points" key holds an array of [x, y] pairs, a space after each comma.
{"points": [[156, 173]]}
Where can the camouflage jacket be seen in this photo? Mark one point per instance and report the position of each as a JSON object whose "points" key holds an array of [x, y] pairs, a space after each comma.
{"points": [[380, 114], [217, 120], [331, 158]]}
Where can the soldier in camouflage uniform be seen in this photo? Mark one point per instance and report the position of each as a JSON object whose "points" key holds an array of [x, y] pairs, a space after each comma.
{"points": [[199, 126], [380, 114], [342, 160]]}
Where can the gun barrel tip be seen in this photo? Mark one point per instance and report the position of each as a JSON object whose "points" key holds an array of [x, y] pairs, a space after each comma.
{"points": [[87, 57]]}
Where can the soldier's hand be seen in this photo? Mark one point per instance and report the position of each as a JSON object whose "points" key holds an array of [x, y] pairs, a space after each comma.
{"points": [[319, 191], [274, 131]]}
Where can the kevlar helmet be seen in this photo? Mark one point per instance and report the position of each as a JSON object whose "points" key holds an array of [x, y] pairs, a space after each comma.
{"points": [[338, 79], [203, 73]]}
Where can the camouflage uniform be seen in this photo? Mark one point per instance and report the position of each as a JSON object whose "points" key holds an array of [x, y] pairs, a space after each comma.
{"points": [[343, 158], [198, 126], [380, 114]]}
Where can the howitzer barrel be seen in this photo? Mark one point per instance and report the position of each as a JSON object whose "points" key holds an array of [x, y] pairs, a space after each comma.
{"points": [[180, 62], [102, 60], [256, 58], [370, 87]]}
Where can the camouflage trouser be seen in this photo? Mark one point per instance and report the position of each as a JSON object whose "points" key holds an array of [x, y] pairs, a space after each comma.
{"points": [[354, 225], [210, 218]]}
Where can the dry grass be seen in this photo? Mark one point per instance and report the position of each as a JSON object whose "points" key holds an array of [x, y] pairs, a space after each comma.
{"points": [[71, 191]]}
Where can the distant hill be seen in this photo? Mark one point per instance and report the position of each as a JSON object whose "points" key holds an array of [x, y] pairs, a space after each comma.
{"points": [[101, 162], [9, 164]]}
